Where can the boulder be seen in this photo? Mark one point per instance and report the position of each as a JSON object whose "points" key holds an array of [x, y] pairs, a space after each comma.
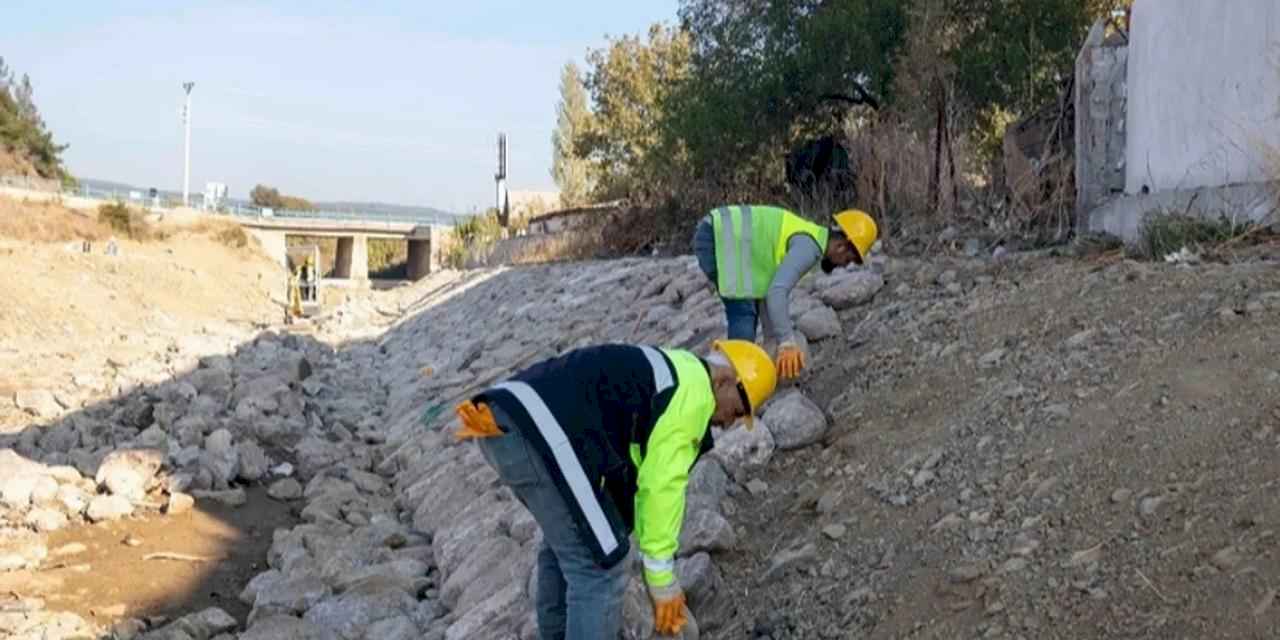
{"points": [[847, 289], [795, 421], [40, 403], [819, 323], [739, 449], [706, 530], [113, 507], [129, 473]]}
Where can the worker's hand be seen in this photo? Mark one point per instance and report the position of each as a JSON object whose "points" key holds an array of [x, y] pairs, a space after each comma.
{"points": [[790, 360], [477, 421], [668, 609]]}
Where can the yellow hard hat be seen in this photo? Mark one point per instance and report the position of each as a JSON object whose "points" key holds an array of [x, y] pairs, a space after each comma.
{"points": [[757, 377], [859, 228]]}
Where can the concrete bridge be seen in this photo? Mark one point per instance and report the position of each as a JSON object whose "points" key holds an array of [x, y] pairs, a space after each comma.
{"points": [[425, 241]]}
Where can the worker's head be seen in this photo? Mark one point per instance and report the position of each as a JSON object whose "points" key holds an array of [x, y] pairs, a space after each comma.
{"points": [[742, 378], [850, 241]]}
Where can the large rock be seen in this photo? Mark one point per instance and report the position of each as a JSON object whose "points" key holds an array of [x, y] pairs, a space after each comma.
{"points": [[637, 616], [795, 421], [40, 403], [848, 289], [699, 578], [15, 492], [103, 508], [819, 323], [221, 458], [45, 520], [283, 627], [708, 484], [352, 613], [494, 564], [741, 450], [212, 383], [253, 461], [129, 473], [294, 595], [706, 530], [492, 618]]}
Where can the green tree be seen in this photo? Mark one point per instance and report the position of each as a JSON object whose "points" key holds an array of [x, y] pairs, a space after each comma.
{"points": [[23, 131], [629, 82], [264, 196], [573, 122]]}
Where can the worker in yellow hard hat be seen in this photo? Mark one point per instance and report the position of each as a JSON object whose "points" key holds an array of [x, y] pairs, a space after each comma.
{"points": [[754, 255], [599, 442]]}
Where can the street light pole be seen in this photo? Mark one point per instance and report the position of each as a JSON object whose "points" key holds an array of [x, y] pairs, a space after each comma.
{"points": [[186, 164]]}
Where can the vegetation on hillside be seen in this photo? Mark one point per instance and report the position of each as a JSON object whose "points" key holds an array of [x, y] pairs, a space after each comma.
{"points": [[23, 133], [707, 111]]}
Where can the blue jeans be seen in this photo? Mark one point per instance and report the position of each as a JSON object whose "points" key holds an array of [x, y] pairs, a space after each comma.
{"points": [[741, 316], [577, 599]]}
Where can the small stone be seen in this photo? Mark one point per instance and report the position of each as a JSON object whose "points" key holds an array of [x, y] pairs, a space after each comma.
{"points": [[1148, 505], [834, 531], [1013, 565], [103, 508], [967, 572], [991, 358], [1081, 339], [179, 503], [1086, 556], [757, 487], [1060, 410], [71, 549], [1226, 559], [286, 489], [1121, 495], [922, 478], [230, 497]]}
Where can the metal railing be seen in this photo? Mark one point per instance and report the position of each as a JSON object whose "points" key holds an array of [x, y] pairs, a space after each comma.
{"points": [[167, 201]]}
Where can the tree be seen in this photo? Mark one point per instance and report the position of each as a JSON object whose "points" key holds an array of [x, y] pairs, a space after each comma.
{"points": [[629, 82], [573, 122], [270, 197], [23, 97], [23, 132]]}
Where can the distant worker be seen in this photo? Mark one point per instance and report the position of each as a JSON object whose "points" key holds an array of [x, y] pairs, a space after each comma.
{"points": [[309, 279], [598, 442], [754, 255]]}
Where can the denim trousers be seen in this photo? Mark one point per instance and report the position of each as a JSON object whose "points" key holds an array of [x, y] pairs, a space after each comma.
{"points": [[741, 316], [577, 599]]}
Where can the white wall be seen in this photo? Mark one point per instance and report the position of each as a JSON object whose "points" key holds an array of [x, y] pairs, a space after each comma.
{"points": [[1204, 93]]}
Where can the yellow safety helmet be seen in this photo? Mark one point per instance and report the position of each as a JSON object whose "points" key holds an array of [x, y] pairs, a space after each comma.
{"points": [[757, 377], [859, 228]]}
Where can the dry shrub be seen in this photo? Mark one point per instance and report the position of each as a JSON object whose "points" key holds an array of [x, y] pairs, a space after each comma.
{"points": [[47, 222], [224, 232], [892, 162], [128, 222], [1165, 232]]}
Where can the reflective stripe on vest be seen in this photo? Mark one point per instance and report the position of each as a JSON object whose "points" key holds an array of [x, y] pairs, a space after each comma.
{"points": [[565, 458], [750, 244], [662, 379]]}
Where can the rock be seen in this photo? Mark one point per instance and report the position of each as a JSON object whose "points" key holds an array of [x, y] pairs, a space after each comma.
{"points": [[1147, 506], [406, 574], [708, 482], [20, 550], [991, 358], [286, 489], [1226, 559], [699, 577], [112, 507], [501, 611], [1013, 565], [284, 627], [221, 457], [706, 530], [40, 403], [230, 497], [1086, 556], [967, 572], [253, 461], [1121, 495], [789, 558], [483, 573], [819, 323], [795, 421], [850, 288], [15, 492], [129, 473], [922, 478], [1081, 339], [72, 499], [294, 595], [45, 520], [741, 450], [757, 487], [207, 623], [179, 503], [834, 531]]}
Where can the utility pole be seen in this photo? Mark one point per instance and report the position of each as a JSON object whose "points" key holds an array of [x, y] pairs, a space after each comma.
{"points": [[186, 164], [500, 180]]}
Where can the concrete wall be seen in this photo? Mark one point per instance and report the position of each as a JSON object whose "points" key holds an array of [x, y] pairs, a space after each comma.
{"points": [[1204, 93], [1100, 121]]}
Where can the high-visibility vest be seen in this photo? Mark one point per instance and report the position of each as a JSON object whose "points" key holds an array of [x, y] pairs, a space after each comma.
{"points": [[751, 241]]}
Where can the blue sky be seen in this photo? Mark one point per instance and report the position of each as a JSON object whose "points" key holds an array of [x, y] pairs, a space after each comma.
{"points": [[391, 101]]}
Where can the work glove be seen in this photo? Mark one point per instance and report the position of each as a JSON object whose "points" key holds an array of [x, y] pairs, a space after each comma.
{"points": [[477, 421], [790, 360], [668, 609]]}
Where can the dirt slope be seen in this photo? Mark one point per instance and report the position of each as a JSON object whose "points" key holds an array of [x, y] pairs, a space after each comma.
{"points": [[1054, 449]]}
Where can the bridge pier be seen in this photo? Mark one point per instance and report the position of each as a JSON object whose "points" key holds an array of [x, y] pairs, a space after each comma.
{"points": [[352, 259]]}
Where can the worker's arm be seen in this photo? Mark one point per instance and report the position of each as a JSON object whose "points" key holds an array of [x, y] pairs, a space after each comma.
{"points": [[802, 254], [660, 488]]}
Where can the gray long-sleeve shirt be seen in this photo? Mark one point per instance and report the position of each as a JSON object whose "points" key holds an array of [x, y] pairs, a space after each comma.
{"points": [[802, 254]]}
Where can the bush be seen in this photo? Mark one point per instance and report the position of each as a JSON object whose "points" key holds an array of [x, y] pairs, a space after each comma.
{"points": [[388, 258], [471, 237], [1164, 233], [125, 221]]}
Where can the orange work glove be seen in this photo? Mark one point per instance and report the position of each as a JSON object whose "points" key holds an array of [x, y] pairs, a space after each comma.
{"points": [[790, 360], [668, 609], [477, 421]]}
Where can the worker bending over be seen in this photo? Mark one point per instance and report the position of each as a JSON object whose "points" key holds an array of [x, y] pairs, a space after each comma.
{"points": [[599, 442], [754, 254]]}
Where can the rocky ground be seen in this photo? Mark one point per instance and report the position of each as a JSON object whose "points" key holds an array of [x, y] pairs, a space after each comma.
{"points": [[1028, 446]]}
